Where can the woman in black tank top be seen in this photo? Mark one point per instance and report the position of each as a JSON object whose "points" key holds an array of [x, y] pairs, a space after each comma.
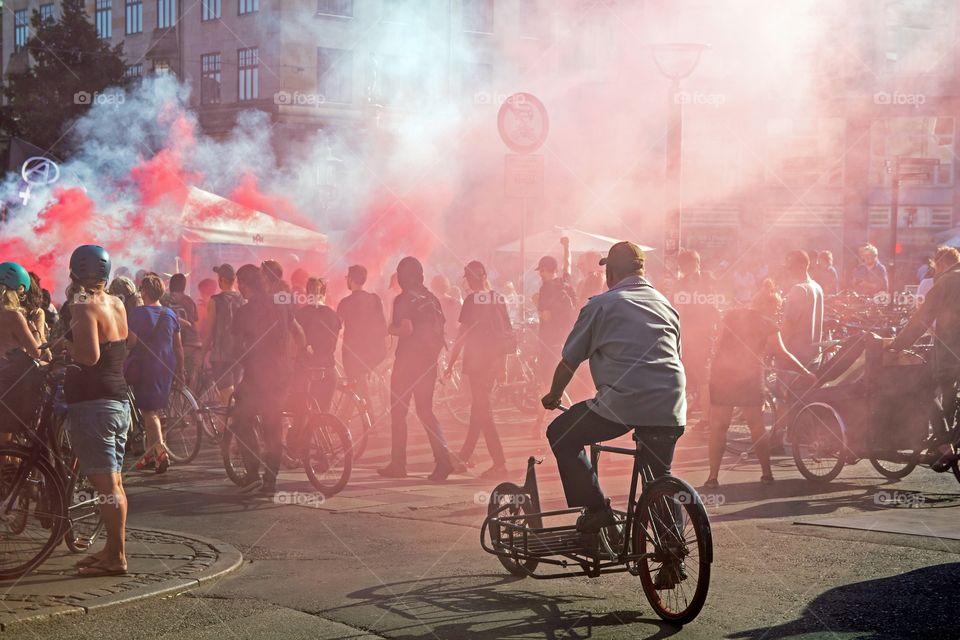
{"points": [[102, 381], [98, 414]]}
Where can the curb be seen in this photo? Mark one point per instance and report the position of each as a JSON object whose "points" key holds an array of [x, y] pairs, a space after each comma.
{"points": [[228, 559]]}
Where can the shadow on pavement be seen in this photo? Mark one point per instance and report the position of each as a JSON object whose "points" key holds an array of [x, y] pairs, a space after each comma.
{"points": [[917, 604], [478, 606]]}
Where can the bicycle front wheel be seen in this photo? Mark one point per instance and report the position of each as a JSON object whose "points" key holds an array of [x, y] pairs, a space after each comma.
{"points": [[32, 508], [327, 453], [182, 426], [672, 534]]}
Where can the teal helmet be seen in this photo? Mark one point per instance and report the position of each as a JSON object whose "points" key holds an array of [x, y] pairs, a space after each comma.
{"points": [[90, 262], [13, 276]]}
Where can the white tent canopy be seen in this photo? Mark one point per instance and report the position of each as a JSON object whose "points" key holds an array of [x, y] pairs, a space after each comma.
{"points": [[950, 238], [549, 242], [209, 218]]}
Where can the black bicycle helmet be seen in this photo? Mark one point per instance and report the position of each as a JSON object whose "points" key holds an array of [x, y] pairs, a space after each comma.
{"points": [[90, 263]]}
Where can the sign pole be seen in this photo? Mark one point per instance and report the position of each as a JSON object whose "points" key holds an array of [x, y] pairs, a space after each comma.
{"points": [[522, 290]]}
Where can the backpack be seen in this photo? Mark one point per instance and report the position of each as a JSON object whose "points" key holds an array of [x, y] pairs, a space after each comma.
{"points": [[224, 344], [428, 321], [190, 335]]}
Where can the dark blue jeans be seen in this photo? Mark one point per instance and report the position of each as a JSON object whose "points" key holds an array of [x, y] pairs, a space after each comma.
{"points": [[572, 430]]}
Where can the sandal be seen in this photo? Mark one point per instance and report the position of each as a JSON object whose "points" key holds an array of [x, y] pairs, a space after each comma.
{"points": [[98, 569], [145, 463], [163, 460], [86, 561]]}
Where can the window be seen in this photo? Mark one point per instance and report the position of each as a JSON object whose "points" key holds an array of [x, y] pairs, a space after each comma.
{"points": [[166, 14], [210, 78], [928, 137], [478, 16], [161, 67], [134, 16], [531, 19], [209, 9], [248, 6], [916, 35], [48, 12], [913, 216], [342, 8], [335, 74], [21, 29], [104, 19], [134, 71], [248, 75]]}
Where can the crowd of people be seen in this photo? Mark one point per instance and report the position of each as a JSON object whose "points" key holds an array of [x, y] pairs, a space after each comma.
{"points": [[270, 345]]}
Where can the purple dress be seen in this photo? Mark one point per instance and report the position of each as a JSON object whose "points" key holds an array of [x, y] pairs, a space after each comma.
{"points": [[152, 363]]}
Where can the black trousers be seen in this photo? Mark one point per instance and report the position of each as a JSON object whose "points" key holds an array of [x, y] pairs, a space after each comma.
{"points": [[481, 416], [266, 400], [572, 430], [413, 379]]}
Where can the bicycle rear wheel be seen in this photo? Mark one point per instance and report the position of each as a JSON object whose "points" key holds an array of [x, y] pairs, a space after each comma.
{"points": [[32, 511], [182, 426], [673, 531], [327, 453], [353, 412], [818, 443], [231, 450], [84, 522]]}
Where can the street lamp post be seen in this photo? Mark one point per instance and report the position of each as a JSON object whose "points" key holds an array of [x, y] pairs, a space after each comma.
{"points": [[676, 61]]}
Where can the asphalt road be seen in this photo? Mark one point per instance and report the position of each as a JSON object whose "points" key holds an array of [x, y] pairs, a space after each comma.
{"points": [[401, 559]]}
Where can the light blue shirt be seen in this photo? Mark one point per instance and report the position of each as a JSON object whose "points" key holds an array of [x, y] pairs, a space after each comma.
{"points": [[631, 335]]}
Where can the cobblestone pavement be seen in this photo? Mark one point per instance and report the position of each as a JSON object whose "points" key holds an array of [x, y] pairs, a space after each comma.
{"points": [[161, 562]]}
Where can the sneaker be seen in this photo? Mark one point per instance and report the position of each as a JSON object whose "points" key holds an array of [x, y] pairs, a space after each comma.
{"points": [[267, 488], [251, 484], [593, 520], [496, 471], [441, 472], [391, 471], [670, 575], [945, 462]]}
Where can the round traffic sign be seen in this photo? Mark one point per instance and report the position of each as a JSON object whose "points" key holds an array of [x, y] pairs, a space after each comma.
{"points": [[523, 123]]}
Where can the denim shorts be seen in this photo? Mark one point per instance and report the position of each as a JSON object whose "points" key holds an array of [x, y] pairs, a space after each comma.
{"points": [[98, 433]]}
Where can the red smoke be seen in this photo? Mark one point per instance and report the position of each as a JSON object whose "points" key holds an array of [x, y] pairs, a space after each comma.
{"points": [[248, 194], [66, 223]]}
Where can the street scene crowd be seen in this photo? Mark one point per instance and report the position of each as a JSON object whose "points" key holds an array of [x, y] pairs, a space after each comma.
{"points": [[271, 351]]}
